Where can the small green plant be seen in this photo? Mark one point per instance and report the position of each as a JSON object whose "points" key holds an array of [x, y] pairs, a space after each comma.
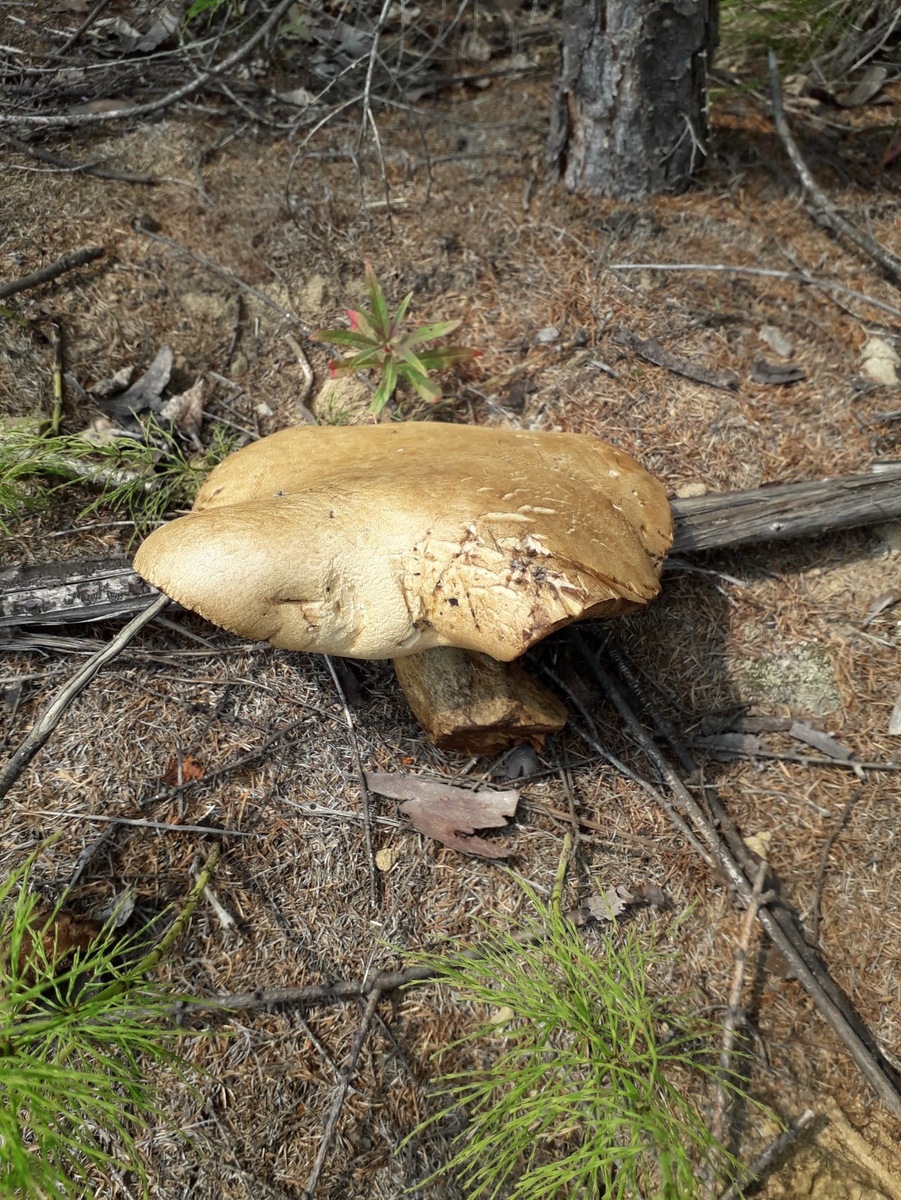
{"points": [[79, 1024], [584, 1098], [799, 31], [211, 7], [377, 340], [143, 478]]}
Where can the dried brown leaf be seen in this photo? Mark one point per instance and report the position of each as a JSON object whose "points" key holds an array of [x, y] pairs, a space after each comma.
{"points": [[447, 813], [190, 769], [607, 905], [145, 392], [827, 745], [185, 411]]}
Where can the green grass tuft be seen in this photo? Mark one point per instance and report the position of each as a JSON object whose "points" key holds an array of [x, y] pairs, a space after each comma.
{"points": [[142, 479], [583, 1093], [78, 1030]]}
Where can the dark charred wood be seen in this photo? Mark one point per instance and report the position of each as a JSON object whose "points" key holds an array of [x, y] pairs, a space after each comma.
{"points": [[71, 592], [94, 590]]}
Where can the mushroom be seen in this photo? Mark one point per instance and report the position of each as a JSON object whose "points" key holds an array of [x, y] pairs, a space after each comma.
{"points": [[450, 549]]}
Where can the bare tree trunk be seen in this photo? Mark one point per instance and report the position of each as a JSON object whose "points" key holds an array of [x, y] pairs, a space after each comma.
{"points": [[630, 109]]}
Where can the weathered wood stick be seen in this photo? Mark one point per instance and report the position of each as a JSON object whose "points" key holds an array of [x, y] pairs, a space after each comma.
{"points": [[74, 592], [788, 510]]}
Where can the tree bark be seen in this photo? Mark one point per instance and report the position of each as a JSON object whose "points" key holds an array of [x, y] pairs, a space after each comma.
{"points": [[630, 109]]}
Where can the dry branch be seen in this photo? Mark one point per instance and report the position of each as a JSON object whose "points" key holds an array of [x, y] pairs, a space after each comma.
{"points": [[799, 276], [68, 262], [50, 718], [738, 866], [825, 209], [83, 590], [95, 169], [790, 510], [72, 120]]}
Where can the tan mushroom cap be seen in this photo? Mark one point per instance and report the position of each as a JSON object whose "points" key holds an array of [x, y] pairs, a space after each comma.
{"points": [[385, 540]]}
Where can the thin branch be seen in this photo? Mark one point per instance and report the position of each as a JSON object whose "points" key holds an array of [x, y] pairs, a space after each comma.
{"points": [[93, 848], [589, 734], [48, 721], [826, 210], [365, 795], [347, 1075], [776, 920], [310, 994], [68, 262], [815, 913], [825, 285], [805, 760], [303, 400], [138, 823], [70, 120], [94, 169], [733, 1007], [765, 1161], [79, 32], [367, 117]]}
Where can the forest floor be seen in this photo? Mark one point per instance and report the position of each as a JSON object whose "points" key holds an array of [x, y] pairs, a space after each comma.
{"points": [[465, 219]]}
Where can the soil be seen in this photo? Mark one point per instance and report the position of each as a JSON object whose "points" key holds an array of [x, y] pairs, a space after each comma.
{"points": [[466, 220]]}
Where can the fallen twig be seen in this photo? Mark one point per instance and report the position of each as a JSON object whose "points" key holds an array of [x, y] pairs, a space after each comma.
{"points": [[68, 262], [651, 351], [93, 848], [779, 923], [346, 1076], [139, 823], [70, 120], [785, 510], [303, 400], [78, 34], [825, 285], [733, 1006], [365, 795], [826, 210], [589, 734], [815, 914], [764, 1161], [48, 721], [94, 169], [223, 273], [367, 117], [806, 760]]}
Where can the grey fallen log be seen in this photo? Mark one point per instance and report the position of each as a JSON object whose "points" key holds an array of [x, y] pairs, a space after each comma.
{"points": [[786, 510], [81, 591]]}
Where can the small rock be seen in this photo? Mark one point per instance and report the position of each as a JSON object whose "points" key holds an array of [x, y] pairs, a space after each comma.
{"points": [[686, 490], [343, 401], [545, 336], [880, 361], [773, 337]]}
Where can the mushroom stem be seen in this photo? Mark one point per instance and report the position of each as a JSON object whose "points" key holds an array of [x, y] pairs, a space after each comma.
{"points": [[474, 704]]}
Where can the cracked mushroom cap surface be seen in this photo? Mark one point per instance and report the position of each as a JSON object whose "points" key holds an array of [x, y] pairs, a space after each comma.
{"points": [[379, 541]]}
